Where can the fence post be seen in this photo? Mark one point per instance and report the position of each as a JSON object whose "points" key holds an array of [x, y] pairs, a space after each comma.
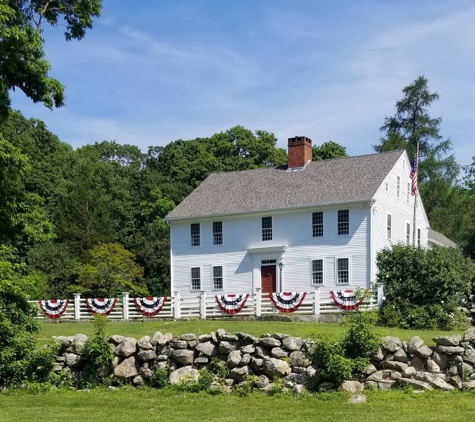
{"points": [[125, 306], [77, 306], [203, 304], [316, 303], [258, 301], [379, 294], [177, 306]]}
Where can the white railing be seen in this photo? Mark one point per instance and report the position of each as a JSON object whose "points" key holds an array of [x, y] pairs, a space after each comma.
{"points": [[204, 306]]}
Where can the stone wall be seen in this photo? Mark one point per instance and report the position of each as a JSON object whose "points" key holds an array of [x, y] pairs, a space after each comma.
{"points": [[449, 365]]}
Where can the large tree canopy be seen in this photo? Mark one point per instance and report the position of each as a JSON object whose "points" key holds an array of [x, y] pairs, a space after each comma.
{"points": [[23, 64]]}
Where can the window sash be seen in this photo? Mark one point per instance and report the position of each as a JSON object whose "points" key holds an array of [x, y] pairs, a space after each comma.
{"points": [[317, 272], [195, 234], [196, 278], [343, 271], [218, 232], [266, 228], [343, 222], [389, 226], [419, 237], [317, 224], [398, 186], [408, 233], [408, 192], [218, 278]]}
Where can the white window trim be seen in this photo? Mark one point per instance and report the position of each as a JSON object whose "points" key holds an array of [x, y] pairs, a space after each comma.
{"points": [[410, 233], [201, 278], [418, 238], [271, 228], [398, 186], [222, 234], [390, 237], [349, 271], [223, 276], [310, 264], [199, 236], [323, 225], [349, 223]]}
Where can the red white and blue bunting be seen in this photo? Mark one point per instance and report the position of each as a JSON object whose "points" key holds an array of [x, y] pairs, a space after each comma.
{"points": [[101, 306], [287, 301], [150, 306], [54, 308], [346, 299], [231, 304]]}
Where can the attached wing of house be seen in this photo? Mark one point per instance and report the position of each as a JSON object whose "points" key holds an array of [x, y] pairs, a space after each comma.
{"points": [[296, 227]]}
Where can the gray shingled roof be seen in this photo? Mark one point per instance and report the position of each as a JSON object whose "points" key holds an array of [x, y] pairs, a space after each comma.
{"points": [[440, 239], [320, 182]]}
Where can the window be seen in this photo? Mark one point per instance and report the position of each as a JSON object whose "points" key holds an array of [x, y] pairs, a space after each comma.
{"points": [[418, 237], [218, 232], [268, 261], [317, 224], [266, 228], [343, 271], [389, 227], [408, 195], [196, 278], [403, 164], [317, 272], [387, 186], [408, 233], [343, 222], [195, 235], [398, 187], [218, 278]]}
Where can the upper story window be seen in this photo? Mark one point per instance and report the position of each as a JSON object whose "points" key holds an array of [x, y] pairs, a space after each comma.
{"points": [[343, 222], [196, 278], [218, 278], [343, 271], [389, 226], [419, 237], [408, 193], [398, 187], [218, 232], [408, 233], [317, 224], [266, 228], [195, 234], [317, 272], [387, 186]]}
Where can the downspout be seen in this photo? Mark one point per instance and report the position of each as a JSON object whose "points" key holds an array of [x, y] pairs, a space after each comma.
{"points": [[371, 245]]}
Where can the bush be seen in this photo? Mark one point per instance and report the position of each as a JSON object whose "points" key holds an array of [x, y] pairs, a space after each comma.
{"points": [[203, 383], [359, 340], [160, 379], [424, 287]]}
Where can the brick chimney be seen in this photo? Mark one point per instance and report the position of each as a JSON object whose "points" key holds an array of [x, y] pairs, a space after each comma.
{"points": [[300, 151]]}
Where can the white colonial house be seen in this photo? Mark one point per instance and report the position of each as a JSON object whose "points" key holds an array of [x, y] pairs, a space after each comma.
{"points": [[295, 227]]}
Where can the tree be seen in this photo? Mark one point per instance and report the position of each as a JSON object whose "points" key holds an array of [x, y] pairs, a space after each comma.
{"points": [[110, 271], [22, 58], [327, 151]]}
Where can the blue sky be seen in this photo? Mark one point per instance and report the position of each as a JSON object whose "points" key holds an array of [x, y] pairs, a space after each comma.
{"points": [[151, 72]]}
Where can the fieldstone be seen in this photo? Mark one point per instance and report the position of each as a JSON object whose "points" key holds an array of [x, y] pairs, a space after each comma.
{"points": [[384, 385], [261, 352], [208, 348], [201, 360], [245, 360], [146, 355], [115, 361], [432, 366], [370, 385], [401, 356], [413, 344], [154, 339], [214, 337], [116, 339], [398, 366], [325, 386], [73, 360], [299, 359], [187, 373], [391, 344], [193, 343], [64, 341], [220, 332], [229, 337], [278, 353], [234, 359], [409, 372], [297, 378], [275, 368], [127, 369], [127, 347], [469, 385], [246, 337], [424, 352], [225, 347], [162, 358], [453, 340], [59, 359], [418, 363], [144, 343], [299, 369], [159, 339], [79, 341], [280, 336], [352, 386], [450, 350], [465, 369], [269, 342], [188, 337], [441, 359], [415, 384], [357, 399], [456, 359], [204, 337], [308, 344], [167, 365], [434, 381], [179, 344], [57, 367], [456, 381], [389, 357], [256, 364], [370, 369], [138, 381], [299, 389], [239, 373], [248, 349], [378, 355], [395, 375], [146, 373], [228, 381], [185, 357], [292, 343], [469, 355], [469, 334], [262, 381]]}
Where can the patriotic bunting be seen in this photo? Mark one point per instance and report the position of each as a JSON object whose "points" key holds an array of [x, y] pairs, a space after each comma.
{"points": [[150, 306], [101, 306], [346, 299], [287, 301], [231, 304], [54, 308]]}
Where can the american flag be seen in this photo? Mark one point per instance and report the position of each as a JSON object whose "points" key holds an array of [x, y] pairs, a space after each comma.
{"points": [[414, 177]]}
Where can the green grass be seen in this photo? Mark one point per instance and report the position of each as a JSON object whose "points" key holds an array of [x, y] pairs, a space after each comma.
{"points": [[257, 328], [151, 405]]}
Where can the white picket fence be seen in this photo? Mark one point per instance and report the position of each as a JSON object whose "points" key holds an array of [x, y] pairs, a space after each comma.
{"points": [[204, 306]]}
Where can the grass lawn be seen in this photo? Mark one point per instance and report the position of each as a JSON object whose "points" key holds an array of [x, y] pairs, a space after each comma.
{"points": [[257, 328], [151, 405]]}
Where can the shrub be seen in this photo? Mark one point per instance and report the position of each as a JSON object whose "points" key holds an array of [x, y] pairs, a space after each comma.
{"points": [[359, 340], [203, 383], [160, 378], [219, 368]]}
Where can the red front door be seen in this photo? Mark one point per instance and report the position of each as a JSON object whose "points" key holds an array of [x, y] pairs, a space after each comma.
{"points": [[268, 281]]}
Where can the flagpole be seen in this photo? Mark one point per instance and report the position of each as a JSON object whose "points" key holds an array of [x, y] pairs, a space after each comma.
{"points": [[415, 198]]}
